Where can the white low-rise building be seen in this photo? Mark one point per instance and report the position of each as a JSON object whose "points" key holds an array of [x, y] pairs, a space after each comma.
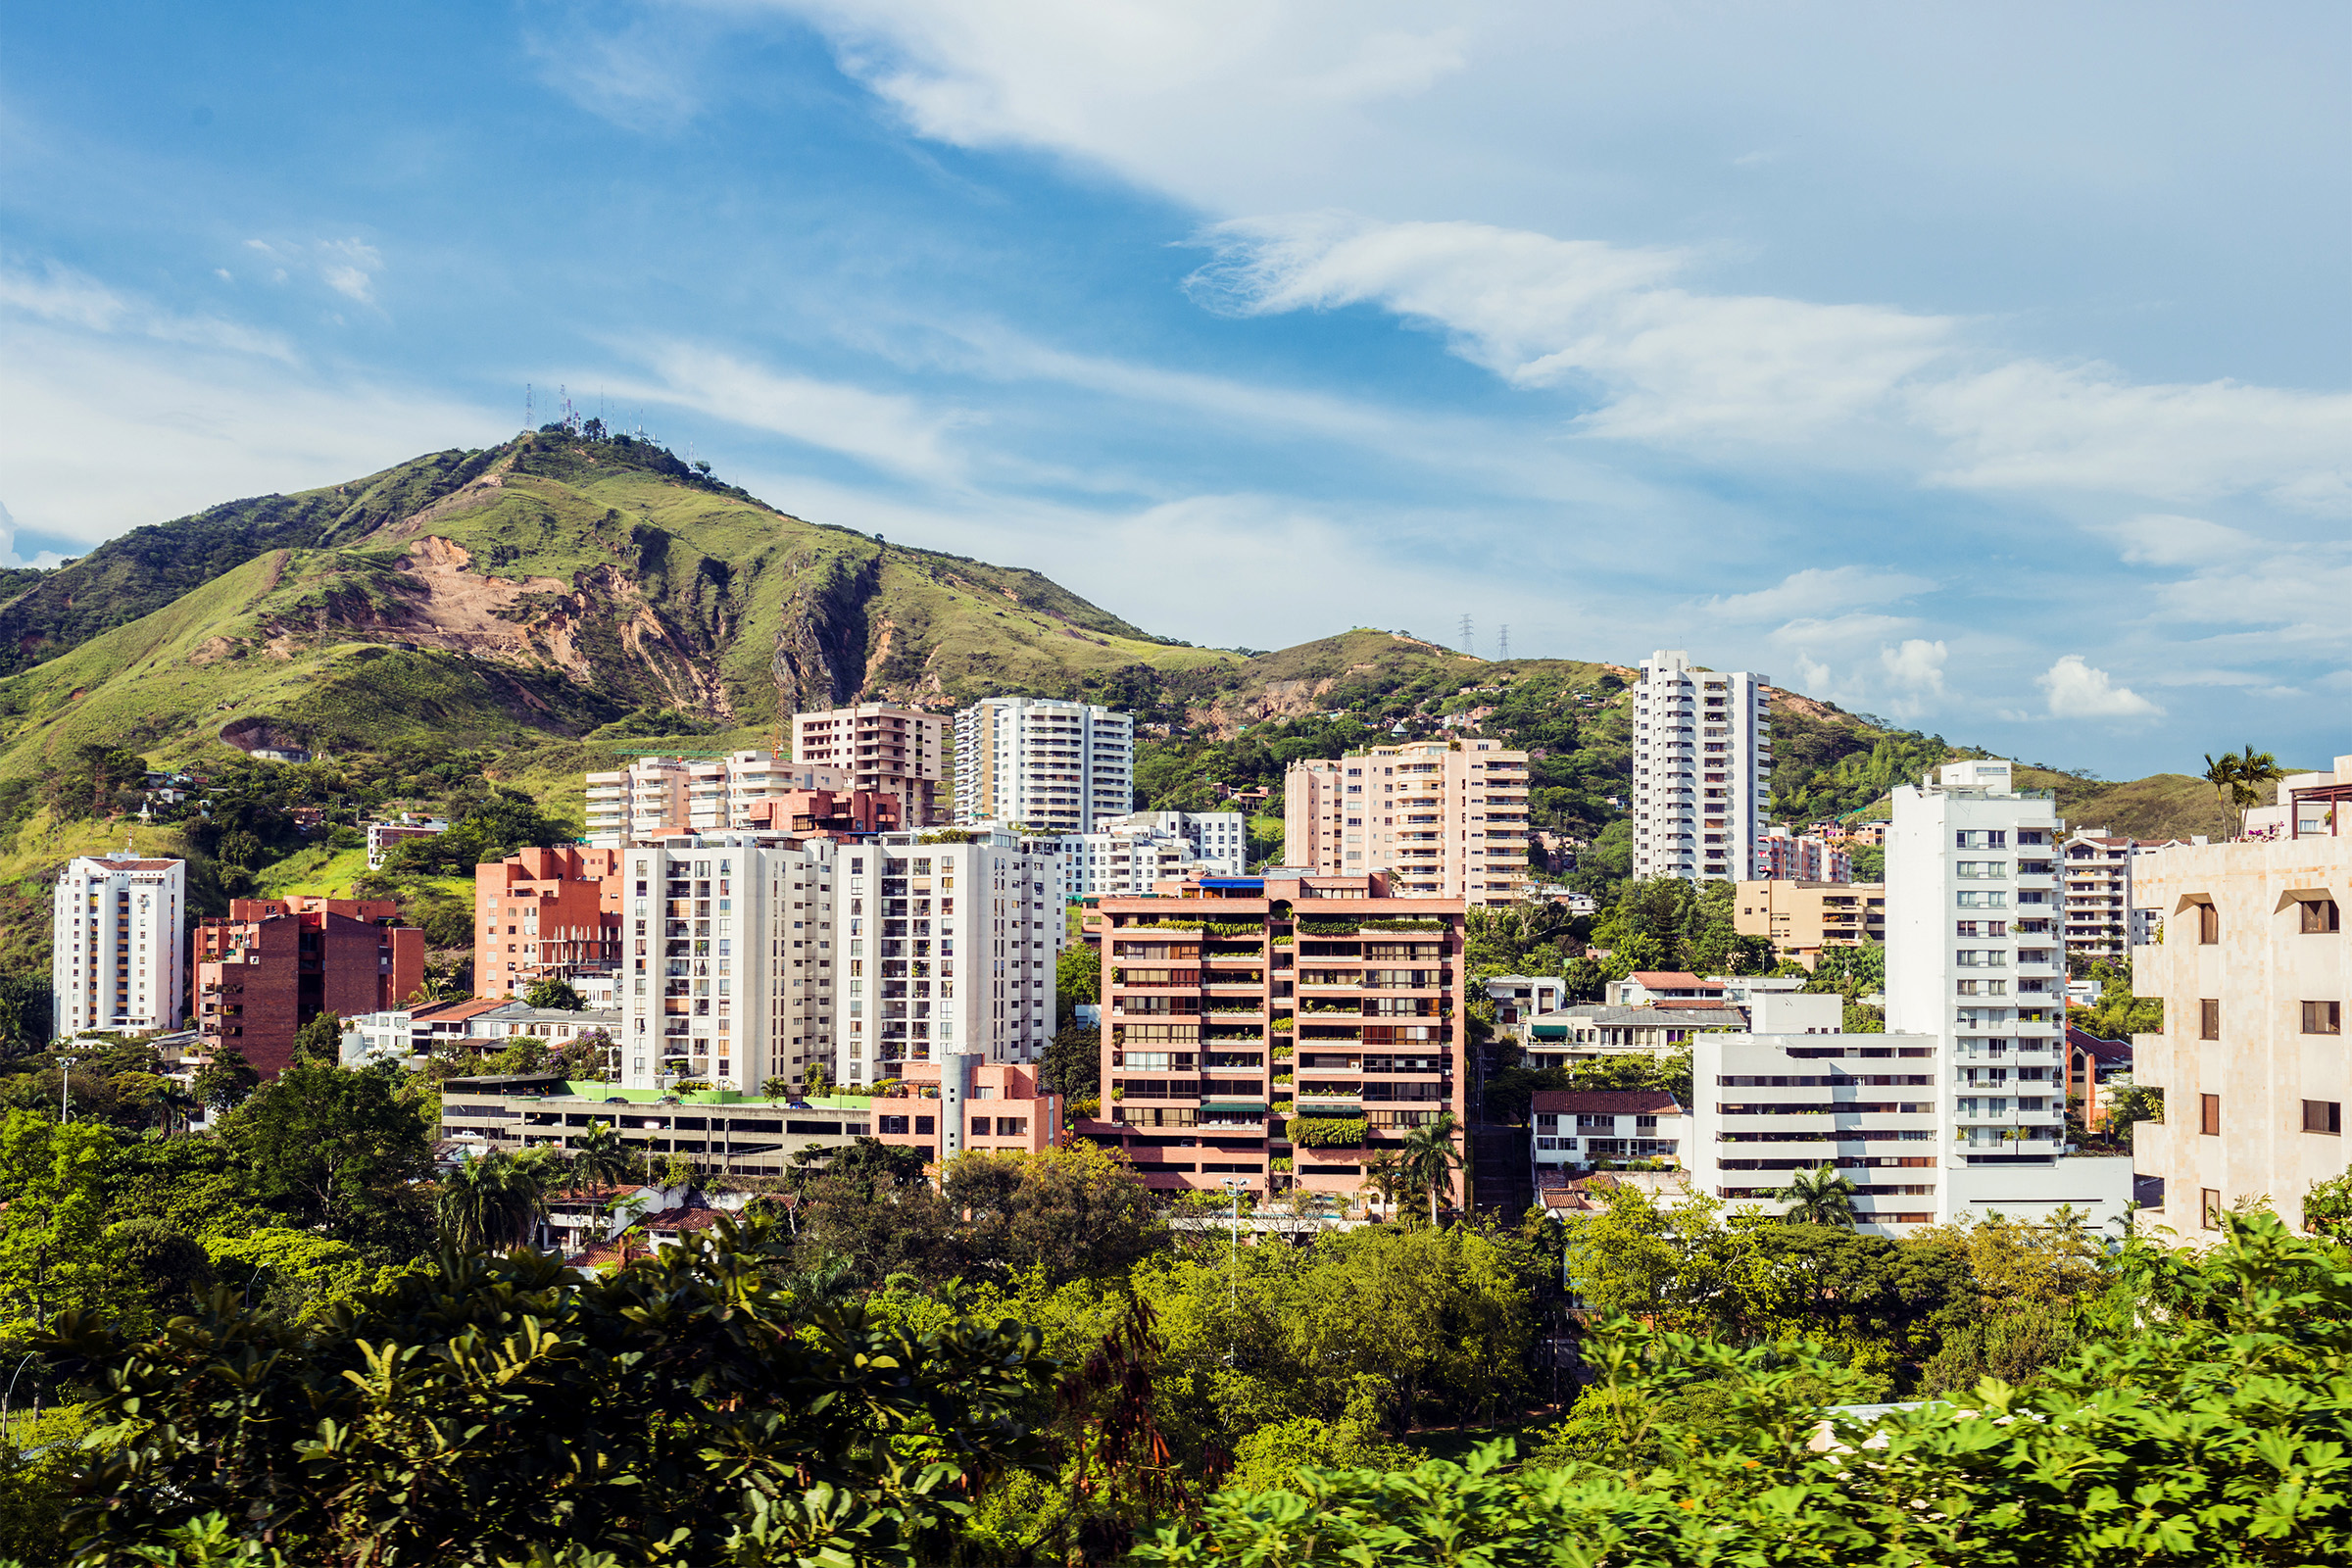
{"points": [[1125, 855], [1576, 1129]]}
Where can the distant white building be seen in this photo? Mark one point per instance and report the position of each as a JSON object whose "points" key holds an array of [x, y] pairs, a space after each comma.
{"points": [[118, 944], [385, 836], [1125, 855], [1049, 765], [658, 796], [1702, 762]]}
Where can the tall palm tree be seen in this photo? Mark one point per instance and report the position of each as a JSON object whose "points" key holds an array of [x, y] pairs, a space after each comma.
{"points": [[598, 1158], [495, 1201], [1428, 1158], [2238, 779], [1384, 1172], [1819, 1197]]}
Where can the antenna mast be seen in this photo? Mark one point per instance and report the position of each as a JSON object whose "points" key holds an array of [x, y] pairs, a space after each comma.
{"points": [[1503, 641], [1466, 643]]}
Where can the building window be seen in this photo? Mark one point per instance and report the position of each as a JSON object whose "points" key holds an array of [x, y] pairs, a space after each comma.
{"points": [[2209, 1018], [2321, 916], [2209, 1207], [2323, 1116], [2209, 1115], [894, 1124], [2209, 924], [2323, 1017]]}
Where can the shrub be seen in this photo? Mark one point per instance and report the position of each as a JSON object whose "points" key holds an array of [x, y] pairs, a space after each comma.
{"points": [[1327, 1132]]}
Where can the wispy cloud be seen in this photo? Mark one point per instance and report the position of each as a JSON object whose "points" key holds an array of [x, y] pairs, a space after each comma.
{"points": [[1818, 591], [66, 298]]}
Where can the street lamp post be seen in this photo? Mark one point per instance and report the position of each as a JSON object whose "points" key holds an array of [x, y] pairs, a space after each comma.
{"points": [[65, 1080], [1233, 1269]]}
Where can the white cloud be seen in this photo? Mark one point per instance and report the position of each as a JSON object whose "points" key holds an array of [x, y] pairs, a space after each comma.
{"points": [[1916, 667], [1818, 589], [885, 430], [64, 298], [349, 267], [2075, 689]]}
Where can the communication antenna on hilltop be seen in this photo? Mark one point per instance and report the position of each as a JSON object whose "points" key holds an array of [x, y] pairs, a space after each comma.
{"points": [[527, 407], [1503, 641], [1467, 648]]}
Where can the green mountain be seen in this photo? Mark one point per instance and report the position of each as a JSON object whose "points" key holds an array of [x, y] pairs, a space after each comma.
{"points": [[548, 586]]}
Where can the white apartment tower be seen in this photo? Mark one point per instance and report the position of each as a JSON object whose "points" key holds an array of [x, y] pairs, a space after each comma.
{"points": [[1702, 771], [1043, 765], [655, 796], [1976, 957], [119, 944], [1125, 855], [879, 746], [727, 960], [946, 947]]}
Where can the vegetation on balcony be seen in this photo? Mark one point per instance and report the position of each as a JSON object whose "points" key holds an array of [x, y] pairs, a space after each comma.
{"points": [[1327, 1132]]}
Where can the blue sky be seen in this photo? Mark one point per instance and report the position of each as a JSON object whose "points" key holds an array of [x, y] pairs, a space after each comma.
{"points": [[1981, 365]]}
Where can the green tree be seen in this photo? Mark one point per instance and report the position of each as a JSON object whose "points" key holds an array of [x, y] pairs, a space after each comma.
{"points": [[321, 1041], [494, 1411], [495, 1201], [1427, 1160], [1073, 1213], [548, 992], [52, 1230], [600, 1158], [168, 1271], [1073, 1064], [1077, 978], [338, 1150], [226, 1081]]}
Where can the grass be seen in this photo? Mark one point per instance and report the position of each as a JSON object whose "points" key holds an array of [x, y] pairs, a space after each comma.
{"points": [[318, 872]]}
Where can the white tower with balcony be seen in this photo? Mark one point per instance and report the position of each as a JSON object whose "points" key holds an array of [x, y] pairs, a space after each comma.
{"points": [[1702, 766], [1976, 957]]}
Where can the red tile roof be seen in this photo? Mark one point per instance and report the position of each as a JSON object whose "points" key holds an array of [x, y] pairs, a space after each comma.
{"points": [[1674, 980], [1606, 1101]]}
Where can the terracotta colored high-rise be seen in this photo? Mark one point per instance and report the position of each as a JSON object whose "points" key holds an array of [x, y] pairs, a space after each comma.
{"points": [[538, 912], [274, 964]]}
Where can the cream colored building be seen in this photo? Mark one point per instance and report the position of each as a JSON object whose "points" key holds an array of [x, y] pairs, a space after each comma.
{"points": [[2253, 969], [655, 796], [880, 747], [1041, 765], [1440, 819], [1803, 918]]}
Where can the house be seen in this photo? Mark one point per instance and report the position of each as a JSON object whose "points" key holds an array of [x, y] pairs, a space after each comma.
{"points": [[1575, 1129], [1584, 1032], [1518, 998], [1644, 986]]}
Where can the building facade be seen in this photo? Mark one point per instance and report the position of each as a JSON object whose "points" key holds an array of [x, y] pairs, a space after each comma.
{"points": [[882, 747], [963, 1101], [385, 836], [1438, 819], [2255, 975], [1042, 765], [545, 913], [274, 964], [118, 958], [1976, 958], [1786, 856], [1573, 1130], [2103, 919], [657, 797], [1292, 1016], [1702, 767], [947, 947], [1802, 918], [727, 977], [1125, 855]]}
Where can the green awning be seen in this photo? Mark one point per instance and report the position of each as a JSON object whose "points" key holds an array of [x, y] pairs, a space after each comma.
{"points": [[1257, 1107]]}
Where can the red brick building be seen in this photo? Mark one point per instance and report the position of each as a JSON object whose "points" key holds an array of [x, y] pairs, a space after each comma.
{"points": [[545, 912], [274, 964], [1234, 1007]]}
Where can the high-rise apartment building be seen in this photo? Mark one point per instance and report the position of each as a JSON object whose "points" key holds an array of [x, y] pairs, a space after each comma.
{"points": [[944, 948], [2103, 920], [655, 796], [1440, 819], [1233, 1005], [551, 912], [274, 964], [879, 746], [1976, 959], [1037, 765], [118, 953], [727, 973], [2256, 977], [1702, 771]]}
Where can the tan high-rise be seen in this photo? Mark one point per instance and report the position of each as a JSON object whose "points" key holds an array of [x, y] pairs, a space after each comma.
{"points": [[1442, 819], [879, 746]]}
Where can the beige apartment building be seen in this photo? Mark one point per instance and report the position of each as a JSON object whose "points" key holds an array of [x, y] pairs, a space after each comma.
{"points": [[879, 746], [1440, 820], [2251, 962], [1803, 918], [654, 797]]}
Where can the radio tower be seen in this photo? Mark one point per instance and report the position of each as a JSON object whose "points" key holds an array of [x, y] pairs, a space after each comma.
{"points": [[527, 407], [1466, 643], [1503, 641]]}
